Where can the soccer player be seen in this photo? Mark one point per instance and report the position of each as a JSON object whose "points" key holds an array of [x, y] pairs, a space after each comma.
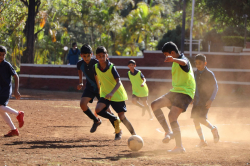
{"points": [[139, 88], [112, 91], [179, 97], [85, 66], [6, 71], [206, 90]]}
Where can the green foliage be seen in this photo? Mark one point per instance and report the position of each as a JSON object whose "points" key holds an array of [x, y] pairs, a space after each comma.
{"points": [[234, 41]]}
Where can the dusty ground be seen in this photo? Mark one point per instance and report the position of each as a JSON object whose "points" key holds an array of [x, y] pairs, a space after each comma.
{"points": [[56, 132]]}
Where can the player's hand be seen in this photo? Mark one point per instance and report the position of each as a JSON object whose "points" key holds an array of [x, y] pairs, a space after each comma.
{"points": [[79, 87], [169, 59], [142, 85], [208, 104], [109, 96], [17, 95]]}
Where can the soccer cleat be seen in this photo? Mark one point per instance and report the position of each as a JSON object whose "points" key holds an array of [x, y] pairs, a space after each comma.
{"points": [[117, 126], [20, 117], [12, 133], [95, 125], [202, 144], [118, 136], [177, 150], [215, 134], [168, 137]]}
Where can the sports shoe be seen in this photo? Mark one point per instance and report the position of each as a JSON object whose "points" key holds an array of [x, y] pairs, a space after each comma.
{"points": [[95, 125], [117, 126], [168, 137], [12, 133], [118, 136], [215, 134], [202, 144], [177, 150], [20, 118]]}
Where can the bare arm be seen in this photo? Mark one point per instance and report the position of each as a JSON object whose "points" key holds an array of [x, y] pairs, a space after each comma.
{"points": [[97, 82], [143, 83], [16, 91], [80, 85], [181, 62]]}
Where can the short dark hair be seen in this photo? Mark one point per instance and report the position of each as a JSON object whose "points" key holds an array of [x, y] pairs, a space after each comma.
{"points": [[73, 44], [101, 49], [201, 57], [169, 47], [3, 49], [131, 61], [86, 49]]}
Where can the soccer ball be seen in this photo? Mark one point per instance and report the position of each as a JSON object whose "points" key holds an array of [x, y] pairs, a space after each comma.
{"points": [[135, 142]]}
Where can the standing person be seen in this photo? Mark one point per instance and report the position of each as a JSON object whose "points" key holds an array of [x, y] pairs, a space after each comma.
{"points": [[206, 90], [6, 71], [73, 55], [179, 97], [112, 91], [139, 88], [85, 66]]}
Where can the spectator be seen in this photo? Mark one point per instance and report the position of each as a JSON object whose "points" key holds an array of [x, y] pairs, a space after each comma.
{"points": [[73, 55]]}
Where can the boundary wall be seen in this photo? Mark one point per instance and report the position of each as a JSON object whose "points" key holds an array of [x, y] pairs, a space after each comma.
{"points": [[232, 71]]}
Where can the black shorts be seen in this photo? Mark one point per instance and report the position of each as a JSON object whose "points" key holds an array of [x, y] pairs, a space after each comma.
{"points": [[118, 106], [90, 94], [4, 100], [140, 98], [179, 100], [199, 112]]}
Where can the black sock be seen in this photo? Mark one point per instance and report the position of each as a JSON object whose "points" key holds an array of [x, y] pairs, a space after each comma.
{"points": [[162, 120], [177, 133], [90, 114], [107, 115], [129, 126], [112, 122]]}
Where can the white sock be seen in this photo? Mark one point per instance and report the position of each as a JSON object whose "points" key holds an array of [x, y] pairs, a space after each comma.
{"points": [[8, 120], [8, 109]]}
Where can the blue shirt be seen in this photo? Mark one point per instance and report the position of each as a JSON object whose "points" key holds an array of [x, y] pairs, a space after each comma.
{"points": [[73, 56], [87, 70], [114, 71], [6, 71], [206, 86]]}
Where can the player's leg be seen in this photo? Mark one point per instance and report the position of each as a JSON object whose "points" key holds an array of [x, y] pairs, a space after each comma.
{"points": [[145, 103], [156, 106], [135, 100], [86, 110], [7, 119], [19, 114], [120, 108], [101, 109], [213, 129], [180, 103], [200, 133]]}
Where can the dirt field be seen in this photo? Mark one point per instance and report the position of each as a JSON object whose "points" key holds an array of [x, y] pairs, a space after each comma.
{"points": [[56, 132]]}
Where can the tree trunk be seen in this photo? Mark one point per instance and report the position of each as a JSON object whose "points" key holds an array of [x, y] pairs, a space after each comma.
{"points": [[28, 54]]}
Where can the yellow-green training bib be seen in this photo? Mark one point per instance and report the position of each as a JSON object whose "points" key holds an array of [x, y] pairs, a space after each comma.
{"points": [[108, 83], [136, 82]]}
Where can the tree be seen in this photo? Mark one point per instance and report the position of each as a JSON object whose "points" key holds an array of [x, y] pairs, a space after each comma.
{"points": [[29, 30]]}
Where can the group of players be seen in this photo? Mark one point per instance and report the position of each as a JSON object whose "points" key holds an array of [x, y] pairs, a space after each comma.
{"points": [[103, 82]]}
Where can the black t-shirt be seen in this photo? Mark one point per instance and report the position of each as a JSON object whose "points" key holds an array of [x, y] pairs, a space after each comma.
{"points": [[6, 71], [87, 70]]}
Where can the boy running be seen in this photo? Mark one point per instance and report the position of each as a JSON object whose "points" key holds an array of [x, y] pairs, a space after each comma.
{"points": [[206, 90], [179, 97], [6, 71], [85, 66], [112, 92], [139, 88]]}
